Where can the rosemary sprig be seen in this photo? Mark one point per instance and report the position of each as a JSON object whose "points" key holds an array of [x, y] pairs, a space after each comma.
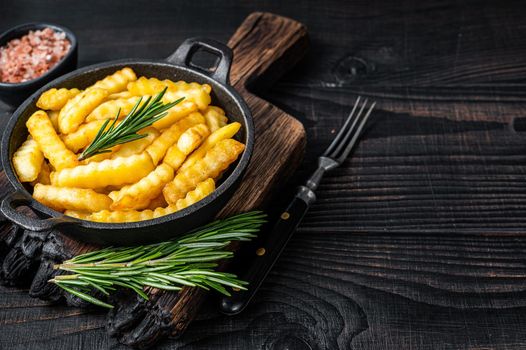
{"points": [[170, 265], [126, 131]]}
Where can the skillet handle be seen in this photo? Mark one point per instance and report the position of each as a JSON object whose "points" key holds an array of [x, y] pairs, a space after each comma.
{"points": [[184, 54], [18, 198]]}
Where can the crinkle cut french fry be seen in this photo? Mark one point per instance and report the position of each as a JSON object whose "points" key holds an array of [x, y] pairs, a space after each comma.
{"points": [[50, 144], [83, 215], [188, 141], [117, 81], [137, 205], [174, 157], [226, 132], [109, 172], [157, 202], [109, 109], [130, 215], [101, 156], [202, 190], [62, 198], [176, 113], [83, 135], [194, 92], [214, 162], [27, 160], [137, 146], [76, 110], [123, 95], [53, 116], [44, 175], [55, 99], [148, 187], [157, 149], [215, 118], [144, 86], [192, 137]]}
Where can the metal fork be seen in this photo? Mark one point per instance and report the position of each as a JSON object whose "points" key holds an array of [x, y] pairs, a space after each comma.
{"points": [[276, 239]]}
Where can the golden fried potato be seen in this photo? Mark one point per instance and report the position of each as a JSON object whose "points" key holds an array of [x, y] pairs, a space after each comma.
{"points": [[109, 172], [192, 138], [27, 160], [176, 113], [188, 141], [44, 175], [138, 205], [83, 215], [168, 137], [109, 109], [53, 116], [157, 202], [202, 190], [215, 118], [123, 95], [214, 162], [42, 131], [144, 86], [128, 215], [83, 136], [55, 99], [137, 146], [77, 109], [147, 188], [62, 198], [116, 82], [193, 92], [101, 156], [174, 157], [226, 132]]}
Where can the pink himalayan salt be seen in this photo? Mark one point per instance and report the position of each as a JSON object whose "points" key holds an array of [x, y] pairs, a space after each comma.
{"points": [[32, 55]]}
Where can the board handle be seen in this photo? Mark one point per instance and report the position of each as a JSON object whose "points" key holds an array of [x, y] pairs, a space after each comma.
{"points": [[184, 54], [265, 46]]}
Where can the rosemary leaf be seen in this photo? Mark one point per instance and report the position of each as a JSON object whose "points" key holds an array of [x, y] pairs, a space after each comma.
{"points": [[139, 117], [84, 296], [171, 265]]}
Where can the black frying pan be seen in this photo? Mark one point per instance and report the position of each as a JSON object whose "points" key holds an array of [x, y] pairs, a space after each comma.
{"points": [[176, 67]]}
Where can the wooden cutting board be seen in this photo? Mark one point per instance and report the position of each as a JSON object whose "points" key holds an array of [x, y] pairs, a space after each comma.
{"points": [[265, 46]]}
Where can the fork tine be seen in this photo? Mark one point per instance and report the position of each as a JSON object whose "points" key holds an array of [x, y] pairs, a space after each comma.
{"points": [[356, 134], [349, 132], [343, 130]]}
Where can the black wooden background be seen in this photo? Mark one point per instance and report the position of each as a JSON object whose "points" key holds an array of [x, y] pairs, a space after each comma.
{"points": [[418, 241]]}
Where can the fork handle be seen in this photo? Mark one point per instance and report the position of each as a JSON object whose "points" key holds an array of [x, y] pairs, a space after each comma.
{"points": [[266, 255]]}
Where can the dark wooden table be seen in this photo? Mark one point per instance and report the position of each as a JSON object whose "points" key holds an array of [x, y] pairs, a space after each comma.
{"points": [[418, 242]]}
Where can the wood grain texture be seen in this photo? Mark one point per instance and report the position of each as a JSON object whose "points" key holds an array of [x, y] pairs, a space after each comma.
{"points": [[417, 242]]}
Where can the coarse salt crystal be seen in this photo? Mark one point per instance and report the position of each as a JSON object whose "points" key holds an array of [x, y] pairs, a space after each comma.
{"points": [[32, 55]]}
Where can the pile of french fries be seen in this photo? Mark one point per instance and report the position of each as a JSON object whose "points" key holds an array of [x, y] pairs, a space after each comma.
{"points": [[176, 165]]}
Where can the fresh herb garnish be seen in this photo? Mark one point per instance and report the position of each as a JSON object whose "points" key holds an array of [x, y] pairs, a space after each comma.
{"points": [[188, 261], [126, 131]]}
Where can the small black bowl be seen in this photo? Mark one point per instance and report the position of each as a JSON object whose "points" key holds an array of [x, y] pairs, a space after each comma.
{"points": [[15, 93]]}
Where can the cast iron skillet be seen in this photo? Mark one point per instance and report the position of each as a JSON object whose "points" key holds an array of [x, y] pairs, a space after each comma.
{"points": [[178, 66]]}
